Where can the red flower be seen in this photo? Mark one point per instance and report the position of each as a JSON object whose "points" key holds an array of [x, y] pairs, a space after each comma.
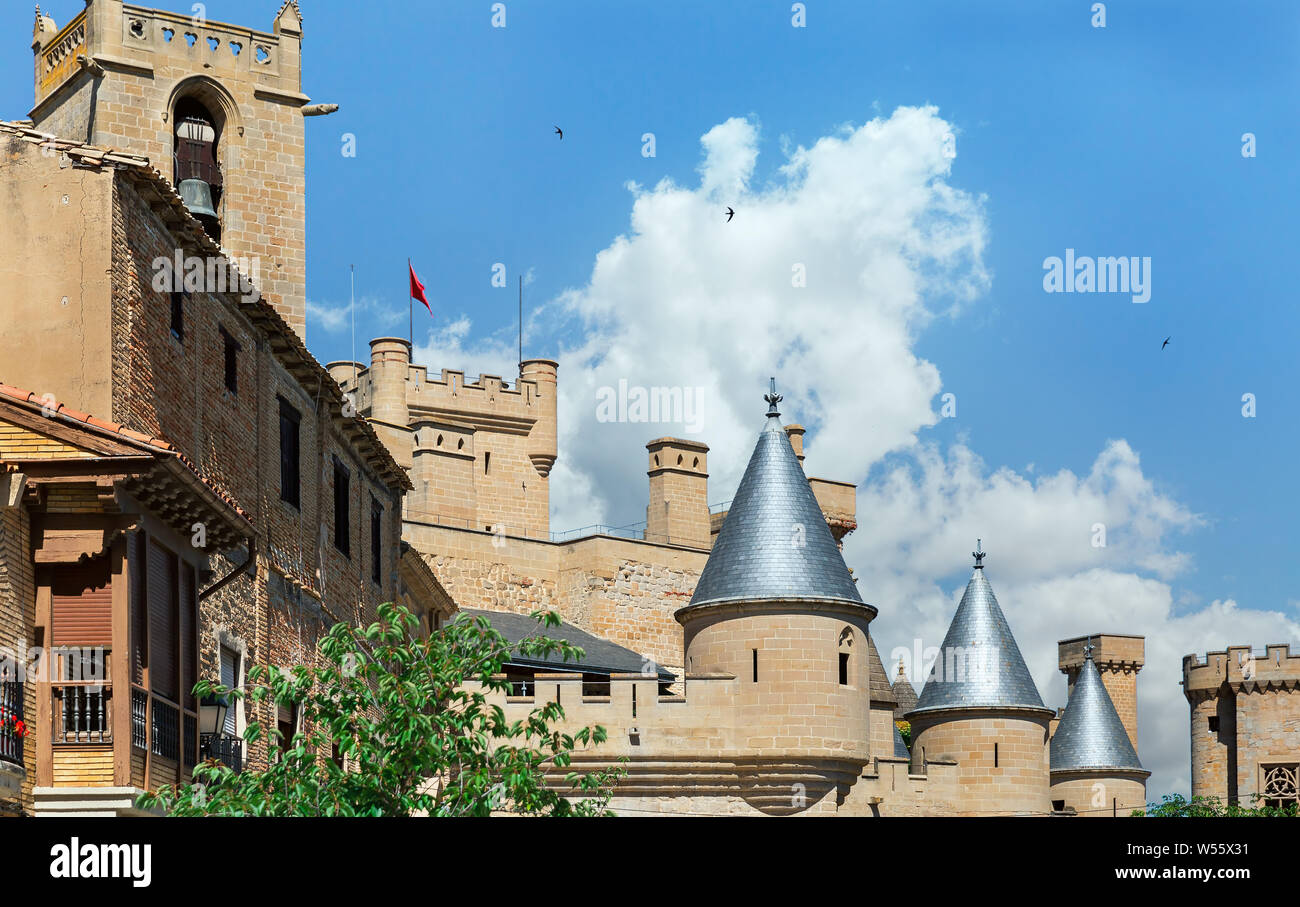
{"points": [[20, 727]]}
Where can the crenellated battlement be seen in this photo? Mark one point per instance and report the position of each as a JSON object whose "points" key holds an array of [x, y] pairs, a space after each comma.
{"points": [[113, 33], [486, 403], [1241, 668]]}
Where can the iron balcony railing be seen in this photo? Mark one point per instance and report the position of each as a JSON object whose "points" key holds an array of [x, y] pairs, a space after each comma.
{"points": [[225, 748], [12, 725]]}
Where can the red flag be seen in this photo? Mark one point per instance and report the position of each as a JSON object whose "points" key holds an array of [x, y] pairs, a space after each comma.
{"points": [[417, 289]]}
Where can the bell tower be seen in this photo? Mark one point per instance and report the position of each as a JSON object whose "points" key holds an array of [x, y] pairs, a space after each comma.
{"points": [[217, 108]]}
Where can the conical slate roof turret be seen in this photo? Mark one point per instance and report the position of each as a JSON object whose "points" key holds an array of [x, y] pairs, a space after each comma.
{"points": [[904, 695], [979, 665], [775, 544], [1090, 734]]}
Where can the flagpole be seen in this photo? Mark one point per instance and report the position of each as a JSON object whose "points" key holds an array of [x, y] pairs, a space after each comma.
{"points": [[410, 305], [521, 324], [353, 307]]}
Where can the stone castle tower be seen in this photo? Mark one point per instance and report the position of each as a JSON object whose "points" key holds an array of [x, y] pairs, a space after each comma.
{"points": [[1118, 659], [1094, 764], [776, 608], [980, 707], [479, 453], [205, 101], [1245, 718]]}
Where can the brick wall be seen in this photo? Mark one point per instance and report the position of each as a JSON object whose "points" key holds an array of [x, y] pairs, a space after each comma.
{"points": [[176, 389]]}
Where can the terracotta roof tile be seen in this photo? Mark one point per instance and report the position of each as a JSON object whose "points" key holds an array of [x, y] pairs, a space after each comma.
{"points": [[17, 393]]}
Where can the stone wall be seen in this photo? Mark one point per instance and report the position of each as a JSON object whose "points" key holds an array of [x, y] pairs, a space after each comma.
{"points": [[1099, 794], [1011, 780], [1253, 700]]}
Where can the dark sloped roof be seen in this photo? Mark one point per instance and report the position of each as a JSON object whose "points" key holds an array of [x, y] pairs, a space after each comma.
{"points": [[877, 680], [989, 670], [1090, 734], [599, 655], [775, 544], [904, 695]]}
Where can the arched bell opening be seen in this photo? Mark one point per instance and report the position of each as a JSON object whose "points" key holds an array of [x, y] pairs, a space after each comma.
{"points": [[197, 172]]}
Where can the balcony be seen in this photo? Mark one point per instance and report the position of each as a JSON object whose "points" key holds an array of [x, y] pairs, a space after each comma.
{"points": [[13, 727], [226, 749]]}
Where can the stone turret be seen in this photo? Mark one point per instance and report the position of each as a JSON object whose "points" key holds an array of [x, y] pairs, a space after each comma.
{"points": [[390, 357], [542, 448], [1094, 766], [1245, 723], [776, 606], [981, 708], [1118, 660], [678, 512]]}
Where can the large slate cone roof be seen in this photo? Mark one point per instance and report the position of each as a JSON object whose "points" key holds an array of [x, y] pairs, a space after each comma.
{"points": [[775, 544], [1090, 734], [994, 674]]}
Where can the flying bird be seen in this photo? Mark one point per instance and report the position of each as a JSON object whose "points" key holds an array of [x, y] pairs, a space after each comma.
{"points": [[1166, 343], [559, 132], [730, 215]]}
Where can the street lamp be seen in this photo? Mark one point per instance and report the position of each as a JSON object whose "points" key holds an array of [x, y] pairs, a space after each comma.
{"points": [[212, 715]]}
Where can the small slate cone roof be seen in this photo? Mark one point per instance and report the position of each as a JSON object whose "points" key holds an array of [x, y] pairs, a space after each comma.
{"points": [[1090, 734], [775, 544], [991, 672], [904, 695]]}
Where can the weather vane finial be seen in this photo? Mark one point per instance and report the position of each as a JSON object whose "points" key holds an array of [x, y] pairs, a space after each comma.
{"points": [[1087, 649], [979, 555], [773, 398]]}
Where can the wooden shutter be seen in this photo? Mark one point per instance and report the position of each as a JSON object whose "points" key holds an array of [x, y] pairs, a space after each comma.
{"points": [[230, 679], [162, 621], [81, 606], [139, 606], [189, 636]]}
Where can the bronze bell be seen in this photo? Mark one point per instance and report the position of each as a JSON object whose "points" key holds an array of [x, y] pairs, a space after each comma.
{"points": [[197, 196]]}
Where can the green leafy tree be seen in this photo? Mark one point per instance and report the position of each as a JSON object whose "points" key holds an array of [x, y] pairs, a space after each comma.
{"points": [[402, 713], [1178, 806]]}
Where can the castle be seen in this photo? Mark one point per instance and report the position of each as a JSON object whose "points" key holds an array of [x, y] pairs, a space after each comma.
{"points": [[187, 491]]}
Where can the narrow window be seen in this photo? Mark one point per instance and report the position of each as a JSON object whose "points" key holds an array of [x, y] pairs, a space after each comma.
{"points": [[289, 453], [342, 519], [487, 461], [846, 653], [755, 651], [178, 315], [230, 351], [995, 755], [376, 539], [287, 723], [230, 680], [1214, 724]]}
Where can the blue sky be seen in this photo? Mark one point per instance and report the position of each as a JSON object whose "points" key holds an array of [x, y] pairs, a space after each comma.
{"points": [[1123, 140]]}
